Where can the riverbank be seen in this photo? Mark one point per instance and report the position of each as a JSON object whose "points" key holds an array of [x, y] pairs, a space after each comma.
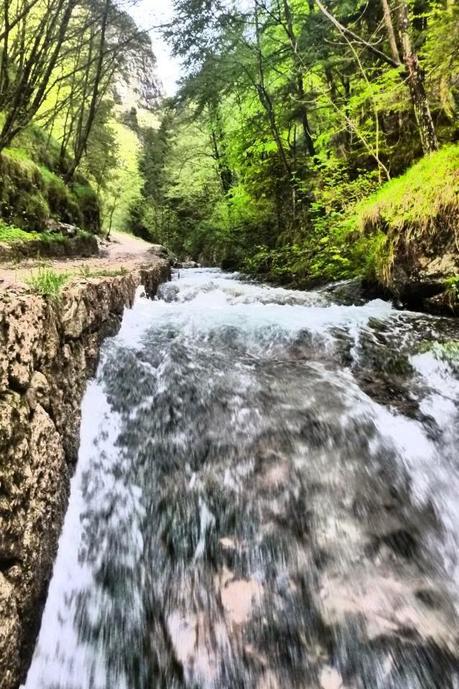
{"points": [[401, 242], [49, 346]]}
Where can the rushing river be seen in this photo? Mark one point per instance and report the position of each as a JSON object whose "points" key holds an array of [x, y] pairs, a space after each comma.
{"points": [[267, 497]]}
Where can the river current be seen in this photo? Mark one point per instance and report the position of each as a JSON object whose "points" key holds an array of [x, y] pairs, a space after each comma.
{"points": [[266, 497]]}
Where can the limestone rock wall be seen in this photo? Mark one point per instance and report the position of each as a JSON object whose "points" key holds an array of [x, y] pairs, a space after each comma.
{"points": [[47, 352]]}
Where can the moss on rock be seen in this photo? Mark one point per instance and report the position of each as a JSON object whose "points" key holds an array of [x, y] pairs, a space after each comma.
{"points": [[31, 193]]}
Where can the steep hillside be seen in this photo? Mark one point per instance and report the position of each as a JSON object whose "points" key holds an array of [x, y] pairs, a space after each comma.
{"points": [[33, 190], [137, 99], [403, 237]]}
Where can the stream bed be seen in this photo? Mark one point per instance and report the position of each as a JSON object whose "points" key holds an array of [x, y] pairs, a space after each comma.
{"points": [[266, 497]]}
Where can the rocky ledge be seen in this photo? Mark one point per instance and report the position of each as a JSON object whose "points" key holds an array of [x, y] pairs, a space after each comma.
{"points": [[80, 245], [48, 349]]}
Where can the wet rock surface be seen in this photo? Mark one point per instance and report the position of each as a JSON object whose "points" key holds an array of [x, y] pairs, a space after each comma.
{"points": [[266, 497], [48, 349], [420, 280]]}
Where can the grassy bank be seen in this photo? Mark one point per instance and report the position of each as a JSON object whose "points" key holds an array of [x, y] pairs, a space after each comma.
{"points": [[409, 221], [33, 190]]}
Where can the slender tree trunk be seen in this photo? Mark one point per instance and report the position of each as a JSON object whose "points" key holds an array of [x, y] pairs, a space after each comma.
{"points": [[308, 140], [216, 134], [18, 18], [4, 66], [415, 78], [80, 144], [265, 100], [414, 75], [390, 31], [298, 71], [343, 29], [347, 97], [28, 88]]}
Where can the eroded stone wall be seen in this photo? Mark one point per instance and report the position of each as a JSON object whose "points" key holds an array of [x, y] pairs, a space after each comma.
{"points": [[48, 349]]}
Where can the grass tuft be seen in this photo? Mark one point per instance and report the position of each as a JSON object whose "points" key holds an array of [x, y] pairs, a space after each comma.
{"points": [[47, 282], [87, 272], [452, 290]]}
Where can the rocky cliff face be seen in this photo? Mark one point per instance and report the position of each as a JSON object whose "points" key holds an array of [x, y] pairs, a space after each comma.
{"points": [[47, 352], [427, 280]]}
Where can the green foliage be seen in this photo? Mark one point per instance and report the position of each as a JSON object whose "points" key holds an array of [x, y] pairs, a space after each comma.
{"points": [[277, 155], [9, 234], [61, 63], [415, 213], [47, 282], [452, 290], [31, 193], [447, 351]]}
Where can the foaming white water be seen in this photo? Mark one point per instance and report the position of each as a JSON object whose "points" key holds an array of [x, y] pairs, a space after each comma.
{"points": [[61, 657], [266, 482], [437, 476], [199, 304]]}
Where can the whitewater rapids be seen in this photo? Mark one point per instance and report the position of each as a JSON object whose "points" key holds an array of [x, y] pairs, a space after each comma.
{"points": [[266, 497]]}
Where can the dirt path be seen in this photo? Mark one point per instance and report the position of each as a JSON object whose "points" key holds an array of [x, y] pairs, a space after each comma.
{"points": [[123, 251]]}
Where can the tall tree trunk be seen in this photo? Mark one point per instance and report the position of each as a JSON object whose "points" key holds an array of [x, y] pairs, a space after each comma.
{"points": [[82, 138], [390, 31], [298, 71], [217, 140], [266, 101], [415, 79]]}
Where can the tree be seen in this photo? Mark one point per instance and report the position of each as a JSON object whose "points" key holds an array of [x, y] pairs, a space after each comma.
{"points": [[414, 72], [416, 84], [32, 47]]}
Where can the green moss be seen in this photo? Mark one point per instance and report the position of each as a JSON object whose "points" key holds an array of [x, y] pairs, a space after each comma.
{"points": [[9, 234], [31, 211], [88, 204], [31, 194], [411, 213], [19, 154], [32, 189]]}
